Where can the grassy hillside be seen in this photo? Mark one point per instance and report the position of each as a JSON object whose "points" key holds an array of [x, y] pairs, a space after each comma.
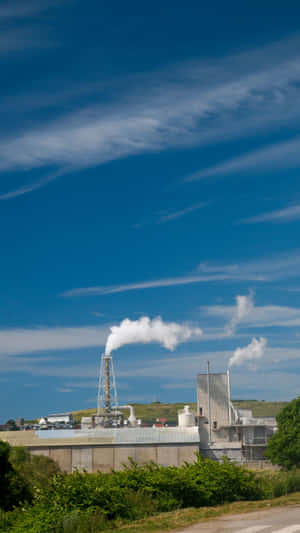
{"points": [[147, 412], [150, 412], [260, 408]]}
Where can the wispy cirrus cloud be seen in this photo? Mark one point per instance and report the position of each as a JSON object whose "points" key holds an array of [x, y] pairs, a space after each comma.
{"points": [[22, 341], [258, 316], [285, 214], [164, 282], [247, 91], [32, 186], [274, 157], [168, 216], [180, 213], [20, 9], [261, 270], [185, 365], [15, 40]]}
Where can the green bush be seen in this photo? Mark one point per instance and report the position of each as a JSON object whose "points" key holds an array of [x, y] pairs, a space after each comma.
{"points": [[281, 483], [38, 519], [13, 490], [283, 448], [153, 488], [90, 503], [35, 470]]}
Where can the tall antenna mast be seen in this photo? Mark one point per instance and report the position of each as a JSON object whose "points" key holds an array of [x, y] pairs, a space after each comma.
{"points": [[209, 411], [107, 390]]}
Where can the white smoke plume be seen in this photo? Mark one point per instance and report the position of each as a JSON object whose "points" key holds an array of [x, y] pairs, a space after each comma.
{"points": [[254, 350], [244, 305], [145, 330]]}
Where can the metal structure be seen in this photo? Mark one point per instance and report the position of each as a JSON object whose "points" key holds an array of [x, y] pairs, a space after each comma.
{"points": [[107, 390]]}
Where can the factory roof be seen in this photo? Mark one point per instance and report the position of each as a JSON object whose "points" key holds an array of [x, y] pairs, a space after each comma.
{"points": [[60, 414], [124, 435]]}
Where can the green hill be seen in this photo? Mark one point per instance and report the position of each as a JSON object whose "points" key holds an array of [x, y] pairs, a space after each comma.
{"points": [[151, 411]]}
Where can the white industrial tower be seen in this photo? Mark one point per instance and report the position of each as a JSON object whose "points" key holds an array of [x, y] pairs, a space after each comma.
{"points": [[107, 390]]}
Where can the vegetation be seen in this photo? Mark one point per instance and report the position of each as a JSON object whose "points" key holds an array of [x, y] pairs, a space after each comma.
{"points": [[284, 447], [260, 408], [38, 498], [21, 474]]}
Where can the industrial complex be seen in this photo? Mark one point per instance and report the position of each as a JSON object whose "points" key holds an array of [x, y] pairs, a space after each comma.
{"points": [[106, 441]]}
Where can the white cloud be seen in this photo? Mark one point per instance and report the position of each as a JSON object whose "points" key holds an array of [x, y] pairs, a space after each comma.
{"points": [[276, 376], [33, 186], [262, 270], [271, 268], [260, 316], [188, 384], [83, 384], [277, 156], [265, 384], [22, 341], [247, 91], [285, 214], [165, 282], [20, 9], [167, 216], [179, 214]]}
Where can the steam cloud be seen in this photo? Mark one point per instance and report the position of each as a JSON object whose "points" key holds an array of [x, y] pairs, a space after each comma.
{"points": [[145, 330], [254, 350], [244, 305]]}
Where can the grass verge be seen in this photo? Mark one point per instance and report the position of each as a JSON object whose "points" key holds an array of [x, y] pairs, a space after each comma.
{"points": [[186, 517]]}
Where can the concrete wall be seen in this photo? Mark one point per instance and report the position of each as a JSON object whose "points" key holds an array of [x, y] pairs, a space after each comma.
{"points": [[218, 387], [105, 458], [235, 454]]}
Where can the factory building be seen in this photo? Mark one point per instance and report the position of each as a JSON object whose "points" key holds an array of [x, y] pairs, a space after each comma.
{"points": [[225, 430], [106, 440]]}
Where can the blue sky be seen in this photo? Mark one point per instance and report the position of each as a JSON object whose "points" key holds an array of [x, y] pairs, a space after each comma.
{"points": [[149, 163]]}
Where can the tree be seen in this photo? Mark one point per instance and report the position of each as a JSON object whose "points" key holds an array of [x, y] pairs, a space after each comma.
{"points": [[34, 470], [11, 425], [283, 448], [12, 488]]}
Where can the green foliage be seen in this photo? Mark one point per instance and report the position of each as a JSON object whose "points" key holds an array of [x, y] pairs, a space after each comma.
{"points": [[38, 519], [284, 446], [35, 470], [147, 488], [12, 489], [281, 483], [90, 503], [11, 425], [21, 474]]}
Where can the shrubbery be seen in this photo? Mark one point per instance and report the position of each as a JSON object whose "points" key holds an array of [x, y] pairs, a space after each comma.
{"points": [[284, 446], [13, 490], [97, 500], [89, 503], [204, 482]]}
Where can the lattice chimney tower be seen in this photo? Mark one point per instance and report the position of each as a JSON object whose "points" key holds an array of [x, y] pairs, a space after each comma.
{"points": [[107, 390]]}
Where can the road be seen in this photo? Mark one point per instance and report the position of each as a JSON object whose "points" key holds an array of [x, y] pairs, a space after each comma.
{"points": [[275, 520]]}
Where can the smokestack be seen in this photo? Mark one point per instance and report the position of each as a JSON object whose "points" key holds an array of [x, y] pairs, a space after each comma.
{"points": [[208, 395], [107, 390], [107, 384], [228, 397]]}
